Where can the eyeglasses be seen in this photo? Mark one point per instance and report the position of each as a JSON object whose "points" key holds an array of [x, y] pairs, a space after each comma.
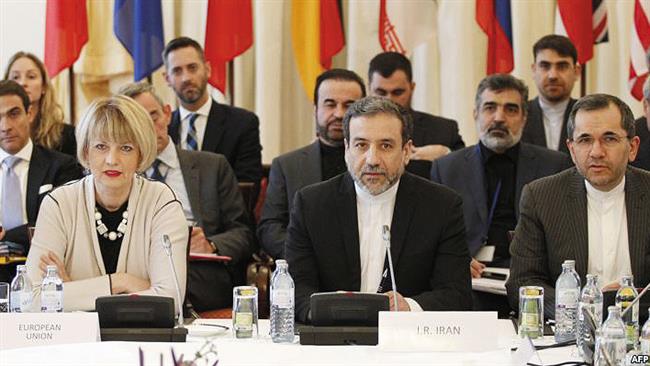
{"points": [[608, 141]]}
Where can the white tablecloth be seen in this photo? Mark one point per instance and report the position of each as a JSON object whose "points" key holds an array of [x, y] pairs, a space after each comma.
{"points": [[262, 351]]}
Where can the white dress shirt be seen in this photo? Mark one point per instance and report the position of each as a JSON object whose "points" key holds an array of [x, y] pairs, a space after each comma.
{"points": [[609, 252], [22, 169], [171, 170], [200, 123], [373, 212], [553, 119]]}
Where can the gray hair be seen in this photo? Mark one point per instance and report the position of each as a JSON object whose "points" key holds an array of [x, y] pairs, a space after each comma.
{"points": [[595, 102], [370, 106], [132, 90], [501, 82]]}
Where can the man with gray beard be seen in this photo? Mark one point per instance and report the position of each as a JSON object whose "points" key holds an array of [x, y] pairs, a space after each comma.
{"points": [[490, 175]]}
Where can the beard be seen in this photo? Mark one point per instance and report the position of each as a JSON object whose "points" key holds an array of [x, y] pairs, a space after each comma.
{"points": [[389, 180], [192, 95], [323, 132], [499, 138]]}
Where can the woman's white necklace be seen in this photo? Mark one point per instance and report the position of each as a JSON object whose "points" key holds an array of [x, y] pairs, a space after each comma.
{"points": [[103, 230]]}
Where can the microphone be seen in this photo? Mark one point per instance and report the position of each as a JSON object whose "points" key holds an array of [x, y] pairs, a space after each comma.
{"points": [[167, 245], [385, 234]]}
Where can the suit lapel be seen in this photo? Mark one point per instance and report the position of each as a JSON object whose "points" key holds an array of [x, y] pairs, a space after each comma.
{"points": [[563, 136], [35, 176], [346, 206], [215, 127], [191, 178], [476, 181], [636, 227], [174, 128], [536, 123], [311, 165], [405, 203], [577, 223], [526, 172]]}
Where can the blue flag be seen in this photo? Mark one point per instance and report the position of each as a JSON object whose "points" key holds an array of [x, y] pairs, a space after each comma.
{"points": [[138, 26]]}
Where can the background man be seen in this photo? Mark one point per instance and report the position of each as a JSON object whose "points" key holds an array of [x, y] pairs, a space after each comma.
{"points": [[212, 203], [321, 160], [200, 123], [596, 213], [29, 171], [335, 233], [490, 175], [643, 131], [390, 75], [555, 70]]}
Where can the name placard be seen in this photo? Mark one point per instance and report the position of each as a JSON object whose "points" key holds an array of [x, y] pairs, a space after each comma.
{"points": [[39, 329], [438, 331]]}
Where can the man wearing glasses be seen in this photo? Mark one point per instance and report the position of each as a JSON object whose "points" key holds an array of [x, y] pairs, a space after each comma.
{"points": [[597, 213]]}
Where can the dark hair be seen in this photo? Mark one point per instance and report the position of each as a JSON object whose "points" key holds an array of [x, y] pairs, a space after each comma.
{"points": [[594, 102], [560, 44], [182, 42], [387, 63], [338, 74], [10, 87], [501, 82], [370, 106]]}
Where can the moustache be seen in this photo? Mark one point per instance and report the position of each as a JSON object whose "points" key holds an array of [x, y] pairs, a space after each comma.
{"points": [[373, 170], [499, 127]]}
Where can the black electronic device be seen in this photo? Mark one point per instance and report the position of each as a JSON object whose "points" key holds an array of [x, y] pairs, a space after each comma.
{"points": [[342, 318], [138, 318]]}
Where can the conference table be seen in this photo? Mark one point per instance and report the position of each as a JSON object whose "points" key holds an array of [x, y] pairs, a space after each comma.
{"points": [[262, 351]]}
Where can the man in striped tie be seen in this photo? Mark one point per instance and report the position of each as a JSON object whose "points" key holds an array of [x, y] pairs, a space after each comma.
{"points": [[200, 123]]}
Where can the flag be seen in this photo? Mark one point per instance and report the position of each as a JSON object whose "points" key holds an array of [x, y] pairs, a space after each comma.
{"points": [[493, 16], [403, 25], [138, 25], [584, 22], [599, 21], [639, 47], [228, 33], [316, 35], [66, 32]]}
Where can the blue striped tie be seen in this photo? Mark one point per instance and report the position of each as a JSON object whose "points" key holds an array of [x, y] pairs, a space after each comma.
{"points": [[156, 174], [191, 140], [12, 201]]}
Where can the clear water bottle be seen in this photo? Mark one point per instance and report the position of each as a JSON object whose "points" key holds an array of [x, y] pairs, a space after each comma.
{"points": [[610, 340], [645, 337], [21, 291], [567, 295], [52, 292], [282, 304], [624, 297], [591, 298]]}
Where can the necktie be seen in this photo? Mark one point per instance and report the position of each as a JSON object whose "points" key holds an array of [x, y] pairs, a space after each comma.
{"points": [[156, 174], [12, 202], [191, 140]]}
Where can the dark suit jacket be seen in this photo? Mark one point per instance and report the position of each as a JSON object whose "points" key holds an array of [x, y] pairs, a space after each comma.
{"points": [[643, 157], [219, 209], [553, 228], [234, 133], [463, 171], [45, 167], [534, 129], [289, 173], [432, 130], [427, 243], [68, 144]]}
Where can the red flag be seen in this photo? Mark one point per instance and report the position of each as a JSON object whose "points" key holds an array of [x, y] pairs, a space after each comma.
{"points": [[332, 39], [494, 18], [639, 46], [66, 31], [577, 19], [229, 32]]}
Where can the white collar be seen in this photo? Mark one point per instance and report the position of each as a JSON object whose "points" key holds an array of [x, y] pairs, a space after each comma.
{"points": [[203, 111], [25, 153], [598, 195], [169, 155], [383, 197], [556, 107]]}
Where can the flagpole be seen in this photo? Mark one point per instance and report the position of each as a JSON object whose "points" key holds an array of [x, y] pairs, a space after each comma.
{"points": [[73, 116], [230, 85], [583, 81]]}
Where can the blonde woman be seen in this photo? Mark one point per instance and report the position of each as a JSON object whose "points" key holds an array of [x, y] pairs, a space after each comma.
{"points": [[48, 128], [104, 232]]}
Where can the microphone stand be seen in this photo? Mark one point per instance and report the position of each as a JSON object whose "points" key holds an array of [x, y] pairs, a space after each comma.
{"points": [[167, 245], [385, 233]]}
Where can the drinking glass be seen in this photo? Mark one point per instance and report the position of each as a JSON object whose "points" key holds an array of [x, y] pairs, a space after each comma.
{"points": [[531, 312], [244, 312]]}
